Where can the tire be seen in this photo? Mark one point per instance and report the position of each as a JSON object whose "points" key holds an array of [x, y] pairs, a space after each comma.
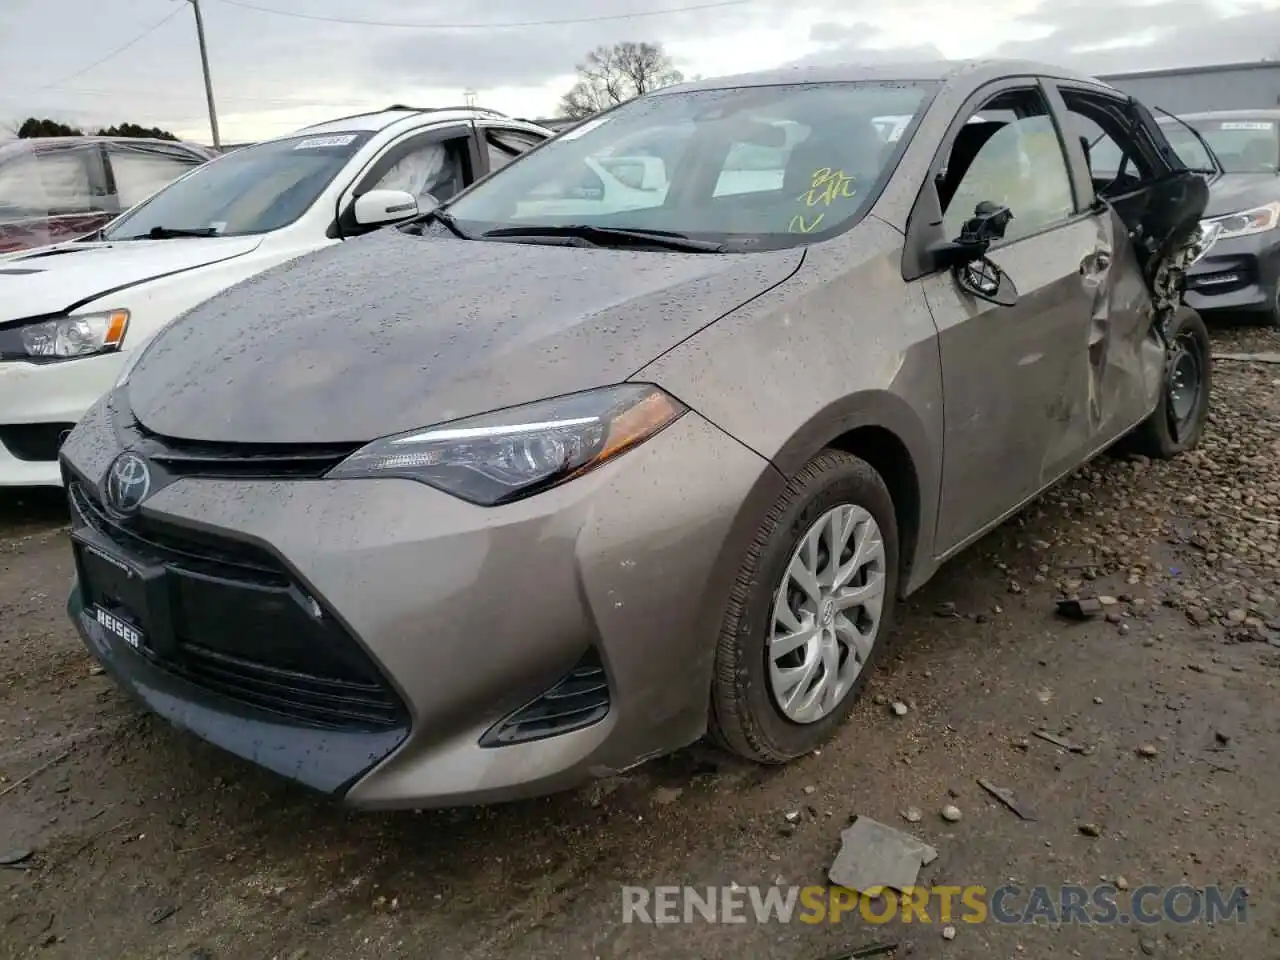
{"points": [[1156, 437], [746, 716]]}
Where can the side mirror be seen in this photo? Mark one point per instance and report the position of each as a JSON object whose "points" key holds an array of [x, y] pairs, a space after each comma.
{"points": [[966, 256], [377, 207], [983, 279]]}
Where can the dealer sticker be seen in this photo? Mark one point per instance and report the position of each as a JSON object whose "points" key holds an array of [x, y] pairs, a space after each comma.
{"points": [[1247, 125], [315, 143]]}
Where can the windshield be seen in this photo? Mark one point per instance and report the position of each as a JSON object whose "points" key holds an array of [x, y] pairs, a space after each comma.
{"points": [[1243, 146], [254, 189], [749, 167]]}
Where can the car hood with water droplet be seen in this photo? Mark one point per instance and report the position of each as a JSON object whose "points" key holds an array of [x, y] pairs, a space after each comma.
{"points": [[393, 331]]}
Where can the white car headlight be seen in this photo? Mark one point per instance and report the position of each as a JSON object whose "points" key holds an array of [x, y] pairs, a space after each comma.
{"points": [[499, 457], [1248, 222], [64, 338], [1209, 233]]}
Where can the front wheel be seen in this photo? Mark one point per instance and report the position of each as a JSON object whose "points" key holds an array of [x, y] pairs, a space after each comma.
{"points": [[1177, 423], [808, 613]]}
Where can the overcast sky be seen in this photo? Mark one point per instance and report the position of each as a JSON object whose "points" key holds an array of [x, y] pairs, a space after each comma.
{"points": [[273, 72]]}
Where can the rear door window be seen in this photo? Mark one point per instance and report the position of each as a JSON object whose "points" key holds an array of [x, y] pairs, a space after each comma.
{"points": [[48, 182]]}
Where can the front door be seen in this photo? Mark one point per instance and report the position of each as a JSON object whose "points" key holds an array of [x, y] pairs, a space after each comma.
{"points": [[1012, 416]]}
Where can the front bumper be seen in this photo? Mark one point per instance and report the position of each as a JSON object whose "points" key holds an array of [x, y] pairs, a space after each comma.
{"points": [[39, 403], [468, 614], [1239, 275]]}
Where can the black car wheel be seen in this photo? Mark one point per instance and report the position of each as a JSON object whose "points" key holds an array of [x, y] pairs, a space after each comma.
{"points": [[1177, 423]]}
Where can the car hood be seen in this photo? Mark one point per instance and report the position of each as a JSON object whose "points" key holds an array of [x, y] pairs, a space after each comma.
{"points": [[67, 275], [1233, 192], [392, 332]]}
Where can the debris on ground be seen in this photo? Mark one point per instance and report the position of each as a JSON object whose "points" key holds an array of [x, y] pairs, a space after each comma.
{"points": [[899, 708], [1148, 750], [1090, 829], [161, 913], [1062, 742], [948, 933], [38, 770], [951, 813], [14, 858], [912, 815], [874, 856], [1005, 796], [879, 948], [1074, 609], [1248, 357]]}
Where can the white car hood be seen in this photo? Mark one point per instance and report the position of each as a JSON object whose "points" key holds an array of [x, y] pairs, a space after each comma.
{"points": [[64, 276]]}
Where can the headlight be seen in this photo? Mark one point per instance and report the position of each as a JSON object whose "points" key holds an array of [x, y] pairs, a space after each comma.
{"points": [[499, 457], [1210, 230], [1248, 222], [62, 338]]}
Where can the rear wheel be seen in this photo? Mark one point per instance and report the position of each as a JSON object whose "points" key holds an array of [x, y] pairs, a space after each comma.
{"points": [[1177, 423], [808, 614]]}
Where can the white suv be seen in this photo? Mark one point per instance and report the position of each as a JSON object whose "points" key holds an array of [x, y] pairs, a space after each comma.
{"points": [[70, 314]]}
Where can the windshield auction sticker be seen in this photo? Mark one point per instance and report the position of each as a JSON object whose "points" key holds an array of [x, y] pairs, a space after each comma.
{"points": [[314, 143]]}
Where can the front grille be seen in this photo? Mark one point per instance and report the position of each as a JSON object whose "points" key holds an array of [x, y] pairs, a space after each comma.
{"points": [[244, 628], [248, 461], [163, 544], [34, 442], [578, 700]]}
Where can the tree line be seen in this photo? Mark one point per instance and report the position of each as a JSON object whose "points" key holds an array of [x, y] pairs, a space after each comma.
{"points": [[33, 127]]}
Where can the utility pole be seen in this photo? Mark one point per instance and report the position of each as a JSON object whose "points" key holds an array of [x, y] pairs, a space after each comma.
{"points": [[208, 83]]}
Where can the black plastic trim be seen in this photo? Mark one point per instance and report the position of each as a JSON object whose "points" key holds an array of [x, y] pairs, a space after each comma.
{"points": [[580, 699]]}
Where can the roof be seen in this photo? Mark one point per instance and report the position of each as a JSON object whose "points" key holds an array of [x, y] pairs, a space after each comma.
{"points": [[1195, 71], [928, 70], [381, 119], [1263, 114]]}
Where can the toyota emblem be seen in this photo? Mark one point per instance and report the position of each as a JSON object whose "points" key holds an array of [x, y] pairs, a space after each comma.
{"points": [[128, 482]]}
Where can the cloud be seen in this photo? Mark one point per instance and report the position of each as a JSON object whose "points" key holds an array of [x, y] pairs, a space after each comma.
{"points": [[273, 73], [1097, 36]]}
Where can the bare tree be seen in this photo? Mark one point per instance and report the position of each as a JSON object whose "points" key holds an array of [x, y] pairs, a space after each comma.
{"points": [[611, 75]]}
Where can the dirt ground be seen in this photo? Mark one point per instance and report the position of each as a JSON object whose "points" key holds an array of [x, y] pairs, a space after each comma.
{"points": [[144, 842]]}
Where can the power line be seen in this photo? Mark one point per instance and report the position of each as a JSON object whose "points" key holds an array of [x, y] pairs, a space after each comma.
{"points": [[487, 26], [116, 52]]}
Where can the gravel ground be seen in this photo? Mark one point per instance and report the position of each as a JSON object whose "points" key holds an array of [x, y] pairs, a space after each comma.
{"points": [[144, 842]]}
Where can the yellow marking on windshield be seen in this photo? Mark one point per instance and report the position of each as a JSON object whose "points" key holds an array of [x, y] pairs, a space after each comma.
{"points": [[826, 185], [798, 224]]}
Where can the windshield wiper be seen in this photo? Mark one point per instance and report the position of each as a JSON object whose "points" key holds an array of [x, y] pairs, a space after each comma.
{"points": [[603, 235], [174, 233]]}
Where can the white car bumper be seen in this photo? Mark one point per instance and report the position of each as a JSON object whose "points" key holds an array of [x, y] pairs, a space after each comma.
{"points": [[37, 403]]}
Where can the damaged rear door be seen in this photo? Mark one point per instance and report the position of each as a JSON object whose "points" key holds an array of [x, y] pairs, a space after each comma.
{"points": [[1147, 207]]}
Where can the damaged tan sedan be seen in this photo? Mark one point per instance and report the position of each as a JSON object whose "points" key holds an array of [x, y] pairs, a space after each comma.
{"points": [[640, 436]]}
